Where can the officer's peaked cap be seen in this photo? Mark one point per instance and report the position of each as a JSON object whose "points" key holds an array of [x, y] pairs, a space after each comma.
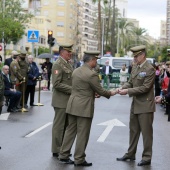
{"points": [[92, 53], [67, 47], [23, 52], [138, 49]]}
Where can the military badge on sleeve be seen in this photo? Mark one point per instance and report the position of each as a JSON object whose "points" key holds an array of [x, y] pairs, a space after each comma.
{"points": [[55, 71]]}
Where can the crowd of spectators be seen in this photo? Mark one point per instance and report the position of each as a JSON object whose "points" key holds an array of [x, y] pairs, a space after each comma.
{"points": [[20, 70]]}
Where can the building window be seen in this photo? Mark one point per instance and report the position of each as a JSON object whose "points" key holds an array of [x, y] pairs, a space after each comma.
{"points": [[39, 21], [61, 3], [46, 2], [42, 40], [60, 34], [60, 24], [61, 14], [46, 13]]}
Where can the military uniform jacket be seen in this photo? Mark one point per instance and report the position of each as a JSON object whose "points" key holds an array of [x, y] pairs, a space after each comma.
{"points": [[24, 68], [85, 82], [15, 72], [1, 87], [141, 88], [61, 80]]}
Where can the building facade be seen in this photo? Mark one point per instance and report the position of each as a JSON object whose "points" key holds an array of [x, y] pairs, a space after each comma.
{"points": [[59, 16], [168, 22]]}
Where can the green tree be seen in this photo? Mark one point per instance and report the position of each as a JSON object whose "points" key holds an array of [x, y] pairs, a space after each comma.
{"points": [[13, 21]]}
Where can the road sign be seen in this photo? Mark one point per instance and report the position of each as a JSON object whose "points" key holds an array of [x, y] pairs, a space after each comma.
{"points": [[0, 47], [33, 36]]}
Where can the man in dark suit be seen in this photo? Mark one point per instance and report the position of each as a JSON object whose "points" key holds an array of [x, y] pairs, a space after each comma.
{"points": [[106, 74], [141, 87], [9, 60], [80, 109], [13, 95]]}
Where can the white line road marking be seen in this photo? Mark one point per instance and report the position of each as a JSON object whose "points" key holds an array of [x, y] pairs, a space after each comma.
{"points": [[4, 116], [110, 124], [37, 130]]}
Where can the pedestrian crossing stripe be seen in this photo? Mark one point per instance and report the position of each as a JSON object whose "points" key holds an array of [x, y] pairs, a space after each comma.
{"points": [[33, 36]]}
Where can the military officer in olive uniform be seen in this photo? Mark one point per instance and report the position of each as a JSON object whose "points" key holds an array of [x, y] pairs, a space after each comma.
{"points": [[24, 67], [141, 87], [80, 109], [1, 91], [61, 80], [15, 70]]}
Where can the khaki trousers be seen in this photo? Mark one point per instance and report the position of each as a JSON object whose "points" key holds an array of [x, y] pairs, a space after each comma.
{"points": [[141, 123], [79, 126], [58, 129]]}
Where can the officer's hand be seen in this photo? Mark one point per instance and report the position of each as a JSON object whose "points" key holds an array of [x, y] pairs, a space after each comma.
{"points": [[97, 95], [123, 91], [113, 92], [158, 99]]}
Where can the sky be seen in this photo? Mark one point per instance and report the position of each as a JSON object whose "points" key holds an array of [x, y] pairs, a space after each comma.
{"points": [[149, 13]]}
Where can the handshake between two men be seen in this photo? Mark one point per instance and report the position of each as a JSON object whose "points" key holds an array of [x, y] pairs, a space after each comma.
{"points": [[114, 92], [119, 91]]}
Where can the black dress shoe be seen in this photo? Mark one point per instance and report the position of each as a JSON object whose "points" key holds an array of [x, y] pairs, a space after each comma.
{"points": [[33, 105], [55, 155], [66, 161], [84, 164], [18, 107], [125, 158], [25, 106], [11, 110], [142, 163]]}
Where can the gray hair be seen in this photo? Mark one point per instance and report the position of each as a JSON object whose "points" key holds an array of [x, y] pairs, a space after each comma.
{"points": [[5, 66], [30, 56]]}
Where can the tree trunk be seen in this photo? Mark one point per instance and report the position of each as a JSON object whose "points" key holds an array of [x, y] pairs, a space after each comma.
{"points": [[108, 24], [113, 44], [99, 27]]}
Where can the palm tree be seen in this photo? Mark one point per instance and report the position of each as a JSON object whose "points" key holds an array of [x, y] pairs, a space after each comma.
{"points": [[99, 23], [125, 31], [139, 35], [113, 44]]}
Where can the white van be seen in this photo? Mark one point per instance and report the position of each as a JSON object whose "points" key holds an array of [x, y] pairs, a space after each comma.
{"points": [[117, 62]]}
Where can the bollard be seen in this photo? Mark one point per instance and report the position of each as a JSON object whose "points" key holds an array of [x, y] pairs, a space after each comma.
{"points": [[23, 96], [39, 104]]}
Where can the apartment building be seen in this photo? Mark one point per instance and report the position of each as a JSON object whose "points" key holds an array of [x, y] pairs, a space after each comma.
{"points": [[163, 33], [59, 16], [168, 22], [87, 27]]}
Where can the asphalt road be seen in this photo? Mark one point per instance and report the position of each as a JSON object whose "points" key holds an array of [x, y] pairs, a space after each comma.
{"points": [[25, 138]]}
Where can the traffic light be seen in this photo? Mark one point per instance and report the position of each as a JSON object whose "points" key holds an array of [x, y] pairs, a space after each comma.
{"points": [[51, 40]]}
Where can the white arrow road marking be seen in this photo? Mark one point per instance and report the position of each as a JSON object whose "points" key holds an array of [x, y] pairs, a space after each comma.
{"points": [[37, 130], [4, 116], [110, 124]]}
